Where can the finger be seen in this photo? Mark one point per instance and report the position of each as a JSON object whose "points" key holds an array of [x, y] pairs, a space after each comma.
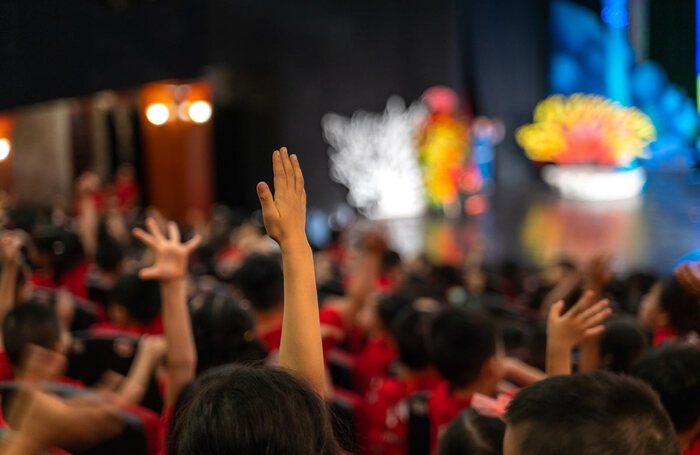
{"points": [[298, 176], [287, 163], [149, 273], [193, 243], [598, 318], [594, 331], [555, 310], [584, 302], [145, 237], [267, 203], [595, 309], [154, 229], [173, 232], [280, 178]]}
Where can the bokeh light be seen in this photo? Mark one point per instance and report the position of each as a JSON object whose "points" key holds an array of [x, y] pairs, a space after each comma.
{"points": [[200, 111], [4, 149], [157, 113]]}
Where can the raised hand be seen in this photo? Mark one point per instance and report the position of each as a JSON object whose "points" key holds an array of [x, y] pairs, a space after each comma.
{"points": [[285, 213], [87, 184], [598, 273], [10, 245], [583, 320], [688, 274], [170, 253]]}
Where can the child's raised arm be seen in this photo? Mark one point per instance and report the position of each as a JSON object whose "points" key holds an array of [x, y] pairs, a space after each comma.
{"points": [[285, 217], [170, 268], [565, 331], [10, 244]]}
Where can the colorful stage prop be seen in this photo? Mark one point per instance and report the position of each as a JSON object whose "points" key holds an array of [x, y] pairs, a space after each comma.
{"points": [[592, 145]]}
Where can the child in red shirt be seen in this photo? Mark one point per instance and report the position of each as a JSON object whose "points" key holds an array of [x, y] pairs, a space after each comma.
{"points": [[671, 312]]}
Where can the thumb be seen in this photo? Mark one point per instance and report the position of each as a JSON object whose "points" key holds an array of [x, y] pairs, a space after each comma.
{"points": [[555, 310], [266, 201]]}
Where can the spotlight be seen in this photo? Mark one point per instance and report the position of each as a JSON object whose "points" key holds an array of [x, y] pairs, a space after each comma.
{"points": [[157, 113], [4, 149], [200, 111]]}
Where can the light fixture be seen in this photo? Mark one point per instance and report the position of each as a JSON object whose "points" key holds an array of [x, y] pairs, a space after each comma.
{"points": [[157, 113], [200, 111], [4, 149]]}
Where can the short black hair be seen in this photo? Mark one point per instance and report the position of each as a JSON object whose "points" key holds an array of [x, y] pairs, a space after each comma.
{"points": [[109, 253], [622, 343], [261, 281], [460, 343], [598, 413], [410, 331], [389, 260], [473, 434], [673, 371], [239, 409], [29, 323], [62, 246], [390, 306], [683, 308], [223, 333], [141, 298]]}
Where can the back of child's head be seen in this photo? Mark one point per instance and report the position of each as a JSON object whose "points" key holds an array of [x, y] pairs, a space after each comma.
{"points": [[29, 323], [673, 371], [109, 255], [223, 333], [140, 298], [390, 306], [61, 246], [238, 409], [390, 260], [599, 413], [471, 433], [622, 343], [682, 307], [410, 332], [260, 282], [461, 341]]}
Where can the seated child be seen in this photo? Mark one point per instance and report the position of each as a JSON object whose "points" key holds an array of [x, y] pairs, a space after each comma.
{"points": [[134, 307], [597, 413], [671, 312], [473, 434]]}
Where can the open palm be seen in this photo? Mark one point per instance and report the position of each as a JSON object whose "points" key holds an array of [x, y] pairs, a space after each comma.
{"points": [[170, 253]]}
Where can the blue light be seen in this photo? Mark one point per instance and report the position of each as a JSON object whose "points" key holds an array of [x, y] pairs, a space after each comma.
{"points": [[614, 13]]}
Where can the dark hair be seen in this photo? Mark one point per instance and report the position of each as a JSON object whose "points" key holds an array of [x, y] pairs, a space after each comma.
{"points": [[223, 333], [460, 342], [109, 253], [673, 371], [473, 434], [410, 331], [683, 308], [141, 298], [239, 409], [261, 282], [622, 342], [390, 259], [390, 306], [29, 323], [598, 413], [63, 247]]}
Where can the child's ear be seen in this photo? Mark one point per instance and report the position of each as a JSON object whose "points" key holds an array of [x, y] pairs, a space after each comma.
{"points": [[492, 371], [118, 314]]}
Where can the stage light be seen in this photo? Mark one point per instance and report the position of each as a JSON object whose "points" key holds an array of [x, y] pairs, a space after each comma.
{"points": [[4, 149], [157, 113], [200, 111]]}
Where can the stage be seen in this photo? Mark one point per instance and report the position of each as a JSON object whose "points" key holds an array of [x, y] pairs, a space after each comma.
{"points": [[532, 225]]}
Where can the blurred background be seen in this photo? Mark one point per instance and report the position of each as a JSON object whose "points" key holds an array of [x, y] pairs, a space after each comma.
{"points": [[181, 102]]}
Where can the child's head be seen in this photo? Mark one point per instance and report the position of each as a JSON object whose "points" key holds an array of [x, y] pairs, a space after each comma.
{"points": [[55, 249], [669, 305], [261, 283], [473, 434], [598, 413], [223, 333], [109, 255], [134, 301], [622, 343], [464, 349], [30, 323], [236, 409], [673, 371], [410, 332]]}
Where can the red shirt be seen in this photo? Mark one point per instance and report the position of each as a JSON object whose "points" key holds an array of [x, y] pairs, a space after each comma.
{"points": [[387, 412], [664, 335], [154, 328], [373, 362], [6, 370], [333, 331], [74, 280], [443, 407], [693, 449]]}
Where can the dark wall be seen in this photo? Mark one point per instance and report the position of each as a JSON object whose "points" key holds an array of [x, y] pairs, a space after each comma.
{"points": [[280, 65]]}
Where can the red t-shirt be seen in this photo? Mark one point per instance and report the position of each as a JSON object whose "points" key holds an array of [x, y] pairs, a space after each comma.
{"points": [[328, 317], [693, 449], [74, 281], [6, 370], [387, 412], [443, 407], [664, 335], [373, 362], [154, 328]]}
